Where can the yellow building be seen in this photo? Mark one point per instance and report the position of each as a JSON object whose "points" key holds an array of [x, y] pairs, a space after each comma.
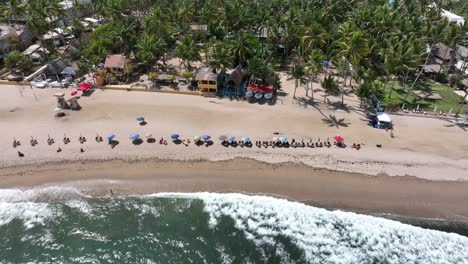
{"points": [[207, 81]]}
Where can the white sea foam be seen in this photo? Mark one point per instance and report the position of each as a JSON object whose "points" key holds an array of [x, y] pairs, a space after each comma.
{"points": [[332, 237], [30, 213], [31, 206], [53, 193]]}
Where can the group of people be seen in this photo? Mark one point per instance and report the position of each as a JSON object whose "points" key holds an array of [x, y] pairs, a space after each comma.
{"points": [[226, 143]]}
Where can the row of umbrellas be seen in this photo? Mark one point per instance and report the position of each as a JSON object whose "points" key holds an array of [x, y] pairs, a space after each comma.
{"points": [[282, 139], [258, 95]]}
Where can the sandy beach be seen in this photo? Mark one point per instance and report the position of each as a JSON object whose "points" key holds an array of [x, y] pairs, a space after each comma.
{"points": [[423, 147], [431, 153], [407, 196]]}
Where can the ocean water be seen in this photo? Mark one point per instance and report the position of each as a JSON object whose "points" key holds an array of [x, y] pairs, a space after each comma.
{"points": [[60, 225]]}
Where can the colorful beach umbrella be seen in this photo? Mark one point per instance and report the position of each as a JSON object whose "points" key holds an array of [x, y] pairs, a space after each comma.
{"points": [[268, 96], [338, 138], [283, 139], [231, 138], [111, 136], [275, 138], [134, 136], [222, 137], [196, 138], [175, 136], [258, 96], [149, 135], [245, 139], [140, 118], [206, 137], [249, 94]]}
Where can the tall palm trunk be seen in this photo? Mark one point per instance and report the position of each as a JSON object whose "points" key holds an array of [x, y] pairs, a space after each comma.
{"points": [[406, 78], [420, 72], [385, 83], [312, 88], [393, 85], [462, 103], [326, 72], [296, 82]]}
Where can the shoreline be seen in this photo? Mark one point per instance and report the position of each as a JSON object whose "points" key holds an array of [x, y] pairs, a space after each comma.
{"points": [[406, 196]]}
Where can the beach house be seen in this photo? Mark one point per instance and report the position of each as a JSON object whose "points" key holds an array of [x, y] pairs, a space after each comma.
{"points": [[207, 81]]}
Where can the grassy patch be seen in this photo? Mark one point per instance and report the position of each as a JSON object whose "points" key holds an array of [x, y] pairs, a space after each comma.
{"points": [[449, 98]]}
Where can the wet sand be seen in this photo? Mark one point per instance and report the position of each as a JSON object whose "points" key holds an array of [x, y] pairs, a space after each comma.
{"points": [[407, 196]]}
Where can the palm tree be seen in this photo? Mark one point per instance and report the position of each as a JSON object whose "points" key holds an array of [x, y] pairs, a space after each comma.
{"points": [[435, 34], [188, 51], [146, 50], [330, 87], [12, 10], [355, 49], [297, 73], [242, 47], [316, 36], [220, 58], [363, 91], [314, 64], [257, 68]]}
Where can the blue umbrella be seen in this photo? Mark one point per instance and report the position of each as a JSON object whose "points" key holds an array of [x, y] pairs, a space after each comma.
{"points": [[245, 139], [140, 118], [249, 94], [134, 136], [268, 96], [175, 136], [206, 137], [231, 138], [283, 139], [111, 136], [258, 96]]}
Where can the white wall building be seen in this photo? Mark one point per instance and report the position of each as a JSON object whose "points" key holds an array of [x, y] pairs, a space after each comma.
{"points": [[453, 18]]}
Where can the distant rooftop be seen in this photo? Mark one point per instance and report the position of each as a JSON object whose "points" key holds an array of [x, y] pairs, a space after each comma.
{"points": [[115, 61]]}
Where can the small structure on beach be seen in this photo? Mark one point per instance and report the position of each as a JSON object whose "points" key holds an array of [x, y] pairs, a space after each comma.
{"points": [[207, 81], [232, 83], [116, 64]]}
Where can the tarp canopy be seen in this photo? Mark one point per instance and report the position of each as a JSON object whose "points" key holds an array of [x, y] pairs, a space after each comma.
{"points": [[383, 117], [259, 88]]}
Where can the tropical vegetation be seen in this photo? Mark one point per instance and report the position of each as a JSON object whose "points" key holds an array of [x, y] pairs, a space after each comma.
{"points": [[385, 39]]}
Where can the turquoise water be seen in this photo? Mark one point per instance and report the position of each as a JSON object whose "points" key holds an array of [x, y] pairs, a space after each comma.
{"points": [[57, 225]]}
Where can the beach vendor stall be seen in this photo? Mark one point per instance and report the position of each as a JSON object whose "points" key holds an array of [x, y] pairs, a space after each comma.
{"points": [[383, 120]]}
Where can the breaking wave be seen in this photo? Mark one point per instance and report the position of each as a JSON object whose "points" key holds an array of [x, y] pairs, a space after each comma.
{"points": [[62, 225]]}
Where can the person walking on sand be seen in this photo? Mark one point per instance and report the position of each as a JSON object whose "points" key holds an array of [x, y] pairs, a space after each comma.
{"points": [[111, 192], [81, 150]]}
